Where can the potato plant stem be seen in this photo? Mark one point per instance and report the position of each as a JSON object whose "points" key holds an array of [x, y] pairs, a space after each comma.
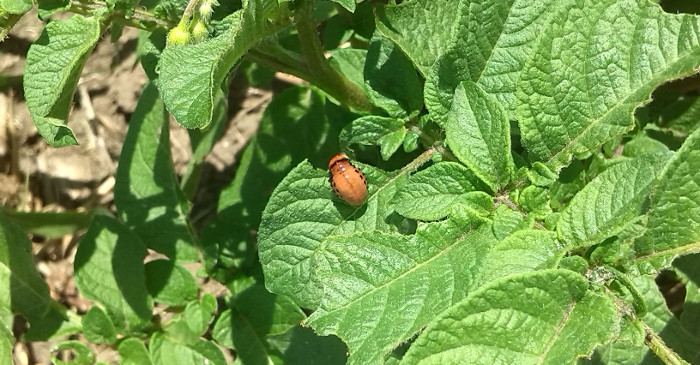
{"points": [[660, 349], [328, 78]]}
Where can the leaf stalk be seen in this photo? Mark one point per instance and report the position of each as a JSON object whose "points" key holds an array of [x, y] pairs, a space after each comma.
{"points": [[327, 78]]}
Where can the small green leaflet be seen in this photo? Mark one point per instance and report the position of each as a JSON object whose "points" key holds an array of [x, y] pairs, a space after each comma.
{"points": [[387, 133], [478, 133], [54, 64], [610, 202]]}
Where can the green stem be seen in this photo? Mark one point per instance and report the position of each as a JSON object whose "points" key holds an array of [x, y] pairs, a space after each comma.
{"points": [[660, 349], [328, 78], [275, 62]]}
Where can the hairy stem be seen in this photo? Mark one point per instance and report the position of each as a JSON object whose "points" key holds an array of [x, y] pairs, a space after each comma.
{"points": [[660, 349], [327, 78]]}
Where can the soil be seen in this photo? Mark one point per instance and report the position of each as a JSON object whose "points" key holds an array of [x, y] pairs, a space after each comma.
{"points": [[35, 177]]}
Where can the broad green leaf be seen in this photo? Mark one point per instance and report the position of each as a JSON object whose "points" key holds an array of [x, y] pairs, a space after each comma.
{"points": [[421, 28], [146, 192], [132, 351], [431, 193], [15, 6], [302, 346], [520, 252], [610, 202], [641, 144], [109, 270], [6, 342], [381, 288], [543, 317], [665, 324], [54, 63], [478, 133], [167, 351], [190, 75], [49, 224], [392, 82], [170, 283], [490, 46], [303, 215], [616, 53], [24, 290], [675, 208], [98, 327], [387, 133], [255, 314]]}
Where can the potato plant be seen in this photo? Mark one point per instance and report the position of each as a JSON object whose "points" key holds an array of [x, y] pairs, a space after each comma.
{"points": [[532, 167]]}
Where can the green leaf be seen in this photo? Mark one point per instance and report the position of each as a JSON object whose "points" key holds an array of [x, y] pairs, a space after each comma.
{"points": [[167, 351], [98, 327], [421, 28], [191, 74], [25, 291], [146, 192], [15, 6], [170, 283], [393, 84], [54, 63], [675, 206], [82, 353], [303, 214], [6, 343], [641, 144], [387, 133], [490, 46], [610, 202], [395, 284], [255, 314], [132, 351], [430, 194], [109, 270], [616, 53], [478, 133], [544, 317], [520, 252]]}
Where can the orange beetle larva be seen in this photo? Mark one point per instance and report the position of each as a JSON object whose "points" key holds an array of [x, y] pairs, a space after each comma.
{"points": [[347, 181]]}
